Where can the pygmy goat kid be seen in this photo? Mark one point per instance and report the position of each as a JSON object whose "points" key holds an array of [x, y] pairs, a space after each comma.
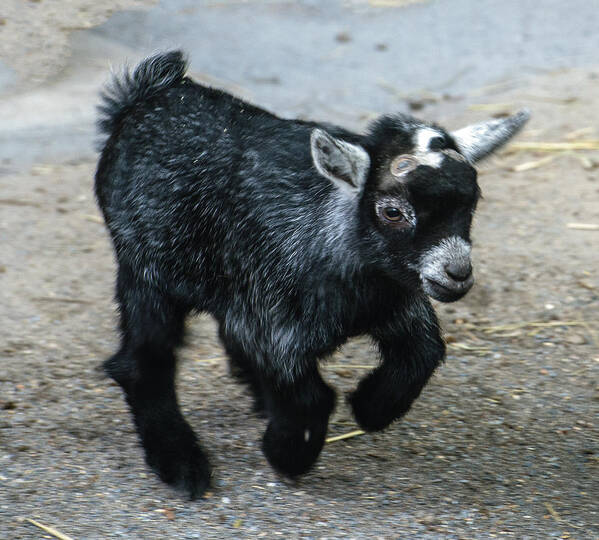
{"points": [[295, 236]]}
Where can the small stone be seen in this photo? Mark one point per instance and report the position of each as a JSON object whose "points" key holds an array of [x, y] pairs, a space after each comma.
{"points": [[416, 105], [343, 37], [576, 339], [428, 520]]}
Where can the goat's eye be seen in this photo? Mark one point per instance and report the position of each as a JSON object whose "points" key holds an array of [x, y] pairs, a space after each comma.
{"points": [[396, 212], [393, 214], [402, 165]]}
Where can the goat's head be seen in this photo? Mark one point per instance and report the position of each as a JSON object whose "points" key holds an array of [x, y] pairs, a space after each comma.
{"points": [[415, 189]]}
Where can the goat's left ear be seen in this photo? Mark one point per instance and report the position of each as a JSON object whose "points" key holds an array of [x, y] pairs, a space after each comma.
{"points": [[479, 140], [345, 164]]}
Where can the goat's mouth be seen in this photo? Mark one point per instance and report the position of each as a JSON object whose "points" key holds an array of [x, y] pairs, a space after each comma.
{"points": [[446, 270], [448, 291]]}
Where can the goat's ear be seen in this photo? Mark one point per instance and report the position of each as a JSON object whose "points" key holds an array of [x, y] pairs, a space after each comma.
{"points": [[345, 164], [479, 140]]}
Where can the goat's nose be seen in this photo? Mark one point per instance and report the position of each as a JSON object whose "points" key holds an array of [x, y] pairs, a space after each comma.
{"points": [[458, 270]]}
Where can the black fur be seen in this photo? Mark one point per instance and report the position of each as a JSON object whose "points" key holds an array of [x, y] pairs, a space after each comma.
{"points": [[148, 79], [216, 205]]}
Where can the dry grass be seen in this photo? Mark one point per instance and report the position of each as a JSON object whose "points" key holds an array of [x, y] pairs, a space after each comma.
{"points": [[349, 435], [583, 226], [541, 146], [49, 530]]}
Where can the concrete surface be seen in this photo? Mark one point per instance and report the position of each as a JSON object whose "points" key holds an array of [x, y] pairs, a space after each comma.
{"points": [[343, 61]]}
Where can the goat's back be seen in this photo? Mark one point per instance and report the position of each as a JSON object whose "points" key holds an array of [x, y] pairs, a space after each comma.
{"points": [[196, 184]]}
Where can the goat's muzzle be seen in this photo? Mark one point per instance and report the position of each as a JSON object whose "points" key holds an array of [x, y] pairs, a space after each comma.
{"points": [[446, 270]]}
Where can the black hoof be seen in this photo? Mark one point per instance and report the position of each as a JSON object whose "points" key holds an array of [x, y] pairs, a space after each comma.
{"points": [[375, 405], [179, 460], [292, 450]]}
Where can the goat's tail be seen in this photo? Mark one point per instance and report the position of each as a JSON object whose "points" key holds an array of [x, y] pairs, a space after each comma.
{"points": [[152, 75]]}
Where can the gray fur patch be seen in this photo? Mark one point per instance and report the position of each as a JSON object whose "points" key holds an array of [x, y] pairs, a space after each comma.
{"points": [[450, 250]]}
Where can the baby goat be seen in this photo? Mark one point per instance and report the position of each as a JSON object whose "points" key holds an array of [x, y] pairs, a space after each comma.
{"points": [[295, 236]]}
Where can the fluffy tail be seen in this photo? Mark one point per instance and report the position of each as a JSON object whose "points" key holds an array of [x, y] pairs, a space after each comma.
{"points": [[150, 77]]}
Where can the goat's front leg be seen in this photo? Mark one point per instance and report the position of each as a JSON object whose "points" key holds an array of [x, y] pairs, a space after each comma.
{"points": [[298, 409], [411, 348]]}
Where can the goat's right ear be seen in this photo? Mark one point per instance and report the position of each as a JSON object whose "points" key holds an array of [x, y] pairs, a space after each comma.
{"points": [[345, 164]]}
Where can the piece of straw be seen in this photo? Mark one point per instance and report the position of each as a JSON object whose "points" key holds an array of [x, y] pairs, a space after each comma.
{"points": [[529, 165], [49, 530], [532, 324], [345, 436], [93, 218], [553, 513], [213, 360], [579, 133], [491, 106], [583, 226], [556, 146]]}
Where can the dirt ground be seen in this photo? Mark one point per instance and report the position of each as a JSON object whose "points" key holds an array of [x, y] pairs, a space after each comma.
{"points": [[34, 37], [502, 443]]}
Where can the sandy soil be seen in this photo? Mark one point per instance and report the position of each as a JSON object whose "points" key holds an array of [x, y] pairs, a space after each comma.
{"points": [[502, 443], [34, 38]]}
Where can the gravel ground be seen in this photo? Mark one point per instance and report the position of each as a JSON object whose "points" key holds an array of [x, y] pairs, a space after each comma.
{"points": [[502, 443]]}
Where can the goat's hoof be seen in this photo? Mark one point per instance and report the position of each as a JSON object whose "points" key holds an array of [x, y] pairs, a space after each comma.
{"points": [[371, 409], [292, 450], [180, 462]]}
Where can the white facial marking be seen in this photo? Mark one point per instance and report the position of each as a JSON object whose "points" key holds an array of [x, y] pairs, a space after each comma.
{"points": [[422, 154], [422, 151], [306, 435], [423, 139]]}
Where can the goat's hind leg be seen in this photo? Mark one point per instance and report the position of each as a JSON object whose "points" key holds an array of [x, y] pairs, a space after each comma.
{"points": [[242, 368], [145, 368]]}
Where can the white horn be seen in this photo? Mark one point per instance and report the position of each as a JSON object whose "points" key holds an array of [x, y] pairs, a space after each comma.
{"points": [[479, 140]]}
